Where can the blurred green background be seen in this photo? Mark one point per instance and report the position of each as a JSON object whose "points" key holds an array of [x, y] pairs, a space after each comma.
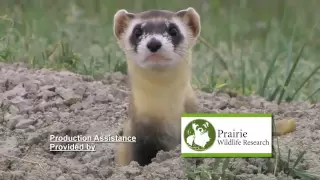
{"points": [[265, 47]]}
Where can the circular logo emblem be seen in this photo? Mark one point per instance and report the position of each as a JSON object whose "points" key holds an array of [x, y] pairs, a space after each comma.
{"points": [[199, 135]]}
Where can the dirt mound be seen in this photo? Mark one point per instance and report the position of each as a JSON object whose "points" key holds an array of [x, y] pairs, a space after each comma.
{"points": [[39, 103]]}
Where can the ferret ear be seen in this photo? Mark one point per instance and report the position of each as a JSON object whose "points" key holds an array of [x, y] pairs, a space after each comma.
{"points": [[120, 22], [207, 124], [192, 19]]}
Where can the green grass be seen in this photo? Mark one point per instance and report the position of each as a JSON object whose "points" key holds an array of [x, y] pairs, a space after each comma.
{"points": [[222, 168], [264, 47], [248, 47]]}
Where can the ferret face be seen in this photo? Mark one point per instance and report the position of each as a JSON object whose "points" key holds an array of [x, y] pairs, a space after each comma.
{"points": [[157, 39], [156, 44], [200, 128]]}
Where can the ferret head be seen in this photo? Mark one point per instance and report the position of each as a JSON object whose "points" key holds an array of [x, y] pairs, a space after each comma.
{"points": [[157, 39], [200, 128]]}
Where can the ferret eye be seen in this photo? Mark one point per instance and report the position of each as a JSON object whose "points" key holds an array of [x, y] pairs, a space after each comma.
{"points": [[137, 32], [173, 31]]}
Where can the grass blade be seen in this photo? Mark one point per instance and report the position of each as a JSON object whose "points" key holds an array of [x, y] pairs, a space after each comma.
{"points": [[274, 94], [109, 62], [297, 162], [220, 58], [225, 166], [305, 81], [269, 73], [306, 175], [277, 165], [243, 74], [290, 74], [216, 163], [312, 94], [289, 58], [288, 159]]}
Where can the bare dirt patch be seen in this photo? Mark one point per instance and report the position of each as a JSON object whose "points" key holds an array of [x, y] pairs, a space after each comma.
{"points": [[38, 103]]}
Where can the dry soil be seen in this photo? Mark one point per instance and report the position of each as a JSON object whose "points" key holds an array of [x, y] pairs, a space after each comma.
{"points": [[39, 103]]}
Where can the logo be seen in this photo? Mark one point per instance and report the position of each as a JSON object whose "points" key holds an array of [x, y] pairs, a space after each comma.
{"points": [[199, 135], [226, 135]]}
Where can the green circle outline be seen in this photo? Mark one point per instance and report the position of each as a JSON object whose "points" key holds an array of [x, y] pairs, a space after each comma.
{"points": [[213, 133]]}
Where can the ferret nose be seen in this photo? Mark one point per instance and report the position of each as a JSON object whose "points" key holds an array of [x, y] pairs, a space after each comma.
{"points": [[154, 45]]}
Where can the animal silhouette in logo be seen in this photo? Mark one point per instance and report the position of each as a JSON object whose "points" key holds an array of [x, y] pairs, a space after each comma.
{"points": [[200, 136]]}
